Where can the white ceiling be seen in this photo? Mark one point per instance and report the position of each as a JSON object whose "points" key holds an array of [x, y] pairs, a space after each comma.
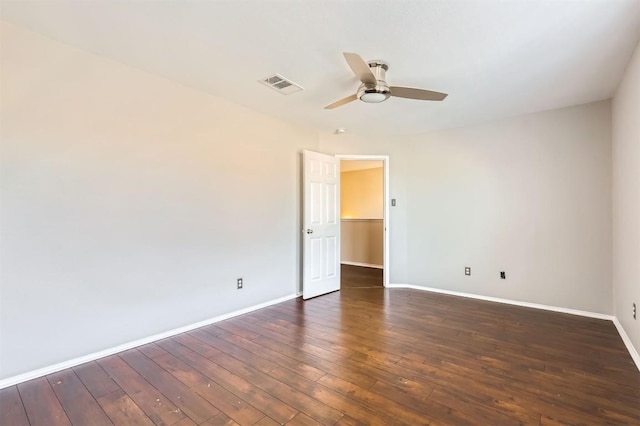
{"points": [[495, 58]]}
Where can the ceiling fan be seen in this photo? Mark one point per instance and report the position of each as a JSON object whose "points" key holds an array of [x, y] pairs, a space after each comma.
{"points": [[374, 88]]}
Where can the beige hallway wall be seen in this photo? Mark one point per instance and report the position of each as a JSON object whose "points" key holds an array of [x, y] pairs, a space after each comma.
{"points": [[362, 213], [361, 195], [362, 241]]}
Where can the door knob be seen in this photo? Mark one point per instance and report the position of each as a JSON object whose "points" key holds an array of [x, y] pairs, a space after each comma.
{"points": [[309, 231]]}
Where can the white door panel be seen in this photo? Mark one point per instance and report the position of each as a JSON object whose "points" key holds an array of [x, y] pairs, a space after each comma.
{"points": [[321, 233]]}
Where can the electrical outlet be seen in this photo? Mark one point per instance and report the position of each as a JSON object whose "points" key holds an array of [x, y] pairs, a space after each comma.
{"points": [[634, 311], [240, 283], [467, 270], [503, 275], [393, 202]]}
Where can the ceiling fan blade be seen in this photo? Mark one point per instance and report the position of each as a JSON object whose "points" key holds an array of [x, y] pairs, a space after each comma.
{"points": [[360, 68], [420, 94], [342, 102]]}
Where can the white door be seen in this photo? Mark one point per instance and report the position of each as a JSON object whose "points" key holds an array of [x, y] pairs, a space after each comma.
{"points": [[321, 233]]}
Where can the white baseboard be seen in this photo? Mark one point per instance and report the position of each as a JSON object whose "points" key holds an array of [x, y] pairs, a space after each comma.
{"points": [[623, 334], [627, 342], [366, 265], [14, 380], [508, 301]]}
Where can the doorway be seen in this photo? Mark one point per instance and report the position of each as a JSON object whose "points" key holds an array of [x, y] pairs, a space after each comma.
{"points": [[363, 217], [321, 254]]}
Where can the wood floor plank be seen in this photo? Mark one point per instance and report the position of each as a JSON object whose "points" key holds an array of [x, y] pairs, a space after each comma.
{"points": [[286, 346], [192, 404], [257, 361], [122, 410], [303, 420], [11, 409], [196, 345], [528, 390], [282, 360], [267, 421], [172, 346], [229, 327], [95, 379], [154, 404], [151, 350], [232, 406], [403, 413], [221, 420], [318, 347], [503, 397], [332, 398], [349, 421], [198, 371], [80, 406], [329, 348], [423, 403], [186, 422], [280, 390], [182, 371], [271, 386], [41, 404], [362, 379], [475, 413], [253, 393]]}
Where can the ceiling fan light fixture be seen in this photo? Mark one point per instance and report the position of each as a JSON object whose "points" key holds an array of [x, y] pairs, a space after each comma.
{"points": [[374, 97], [374, 94]]}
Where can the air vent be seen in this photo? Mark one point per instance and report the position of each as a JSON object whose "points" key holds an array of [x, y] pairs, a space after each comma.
{"points": [[281, 84]]}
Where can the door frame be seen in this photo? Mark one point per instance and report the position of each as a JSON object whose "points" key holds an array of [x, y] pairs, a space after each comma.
{"points": [[387, 203]]}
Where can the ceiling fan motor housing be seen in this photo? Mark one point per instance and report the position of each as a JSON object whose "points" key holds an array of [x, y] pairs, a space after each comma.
{"points": [[379, 92]]}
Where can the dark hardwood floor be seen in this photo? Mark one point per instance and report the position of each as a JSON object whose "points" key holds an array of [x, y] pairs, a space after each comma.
{"points": [[358, 356], [360, 277]]}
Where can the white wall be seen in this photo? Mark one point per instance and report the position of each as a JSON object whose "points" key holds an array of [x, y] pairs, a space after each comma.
{"points": [[130, 204], [529, 195], [626, 199]]}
